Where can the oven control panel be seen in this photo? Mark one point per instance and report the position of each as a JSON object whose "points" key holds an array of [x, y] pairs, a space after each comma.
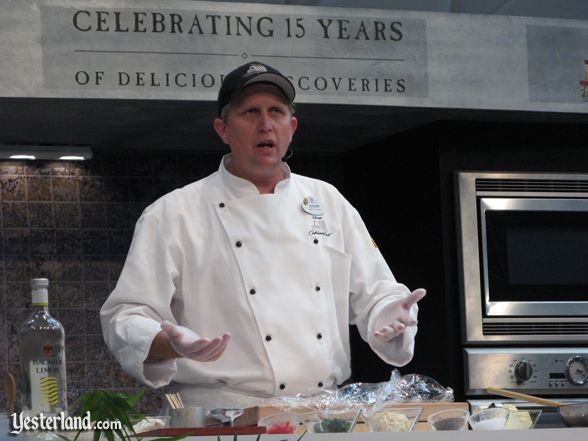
{"points": [[547, 371]]}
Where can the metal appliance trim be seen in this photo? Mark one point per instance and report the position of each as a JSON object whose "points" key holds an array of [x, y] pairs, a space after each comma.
{"points": [[495, 366], [467, 237], [537, 320], [526, 308], [533, 328], [534, 194]]}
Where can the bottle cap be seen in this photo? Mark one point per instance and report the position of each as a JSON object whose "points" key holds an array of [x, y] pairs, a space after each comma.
{"points": [[40, 293]]}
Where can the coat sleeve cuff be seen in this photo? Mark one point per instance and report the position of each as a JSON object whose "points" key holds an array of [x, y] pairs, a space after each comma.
{"points": [[133, 357]]}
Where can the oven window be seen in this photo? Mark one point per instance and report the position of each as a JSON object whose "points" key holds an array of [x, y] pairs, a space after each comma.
{"points": [[537, 256]]}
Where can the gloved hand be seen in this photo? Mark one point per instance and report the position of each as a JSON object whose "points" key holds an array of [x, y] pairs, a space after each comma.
{"points": [[394, 318], [190, 345]]}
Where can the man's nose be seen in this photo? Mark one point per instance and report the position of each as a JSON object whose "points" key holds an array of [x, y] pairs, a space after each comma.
{"points": [[265, 122]]}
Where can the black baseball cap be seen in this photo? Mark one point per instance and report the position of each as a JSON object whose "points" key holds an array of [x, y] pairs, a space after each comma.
{"points": [[254, 72]]}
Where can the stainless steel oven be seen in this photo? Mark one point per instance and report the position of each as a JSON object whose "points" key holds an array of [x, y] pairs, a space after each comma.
{"points": [[524, 256], [523, 260]]}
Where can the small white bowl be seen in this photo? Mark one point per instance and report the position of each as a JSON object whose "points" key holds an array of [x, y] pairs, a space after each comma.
{"points": [[452, 419], [522, 419], [280, 423], [391, 419], [489, 419], [332, 421]]}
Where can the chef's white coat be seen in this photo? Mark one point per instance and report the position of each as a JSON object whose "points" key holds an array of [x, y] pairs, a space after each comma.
{"points": [[216, 256]]}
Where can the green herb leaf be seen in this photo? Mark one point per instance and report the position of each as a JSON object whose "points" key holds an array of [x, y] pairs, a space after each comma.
{"points": [[111, 406]]}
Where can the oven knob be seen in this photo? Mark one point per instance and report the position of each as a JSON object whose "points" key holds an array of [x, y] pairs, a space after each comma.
{"points": [[523, 371], [577, 370]]}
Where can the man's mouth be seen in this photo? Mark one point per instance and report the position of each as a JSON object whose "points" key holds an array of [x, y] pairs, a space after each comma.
{"points": [[266, 144]]}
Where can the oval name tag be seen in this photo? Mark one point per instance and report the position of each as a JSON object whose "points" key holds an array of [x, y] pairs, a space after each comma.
{"points": [[311, 205]]}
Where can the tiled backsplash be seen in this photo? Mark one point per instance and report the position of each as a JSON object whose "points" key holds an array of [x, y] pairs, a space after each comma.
{"points": [[72, 223]]}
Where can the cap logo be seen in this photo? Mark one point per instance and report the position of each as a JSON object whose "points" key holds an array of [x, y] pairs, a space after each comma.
{"points": [[255, 69]]}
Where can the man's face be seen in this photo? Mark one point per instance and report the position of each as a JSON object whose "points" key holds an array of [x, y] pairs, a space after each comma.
{"points": [[259, 129]]}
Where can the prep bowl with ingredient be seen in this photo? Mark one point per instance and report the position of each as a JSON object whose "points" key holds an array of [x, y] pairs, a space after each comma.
{"points": [[574, 415], [332, 421], [521, 419], [390, 419], [452, 419], [280, 423], [489, 419]]}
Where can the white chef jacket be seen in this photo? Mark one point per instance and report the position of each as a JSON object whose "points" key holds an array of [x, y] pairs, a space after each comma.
{"points": [[216, 256]]}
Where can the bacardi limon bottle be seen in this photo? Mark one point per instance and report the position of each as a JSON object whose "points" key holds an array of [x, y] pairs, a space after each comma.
{"points": [[42, 357]]}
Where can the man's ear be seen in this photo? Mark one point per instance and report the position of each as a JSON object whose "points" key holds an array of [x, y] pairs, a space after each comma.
{"points": [[293, 124], [220, 127]]}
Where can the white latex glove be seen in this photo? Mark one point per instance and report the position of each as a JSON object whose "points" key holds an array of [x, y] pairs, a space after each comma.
{"points": [[394, 318], [190, 345]]}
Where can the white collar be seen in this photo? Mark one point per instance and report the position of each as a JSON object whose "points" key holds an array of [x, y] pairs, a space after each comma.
{"points": [[242, 187]]}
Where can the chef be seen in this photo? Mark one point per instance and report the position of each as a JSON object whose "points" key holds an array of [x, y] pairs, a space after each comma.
{"points": [[242, 285]]}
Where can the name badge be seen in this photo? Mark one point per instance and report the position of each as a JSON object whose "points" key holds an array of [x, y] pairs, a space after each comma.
{"points": [[311, 205]]}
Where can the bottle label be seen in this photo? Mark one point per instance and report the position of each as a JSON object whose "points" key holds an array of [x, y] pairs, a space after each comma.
{"points": [[47, 388]]}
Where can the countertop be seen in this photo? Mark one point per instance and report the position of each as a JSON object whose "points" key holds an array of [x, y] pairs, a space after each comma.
{"points": [[506, 435]]}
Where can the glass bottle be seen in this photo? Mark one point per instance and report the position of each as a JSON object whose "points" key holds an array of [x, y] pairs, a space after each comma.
{"points": [[42, 357]]}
